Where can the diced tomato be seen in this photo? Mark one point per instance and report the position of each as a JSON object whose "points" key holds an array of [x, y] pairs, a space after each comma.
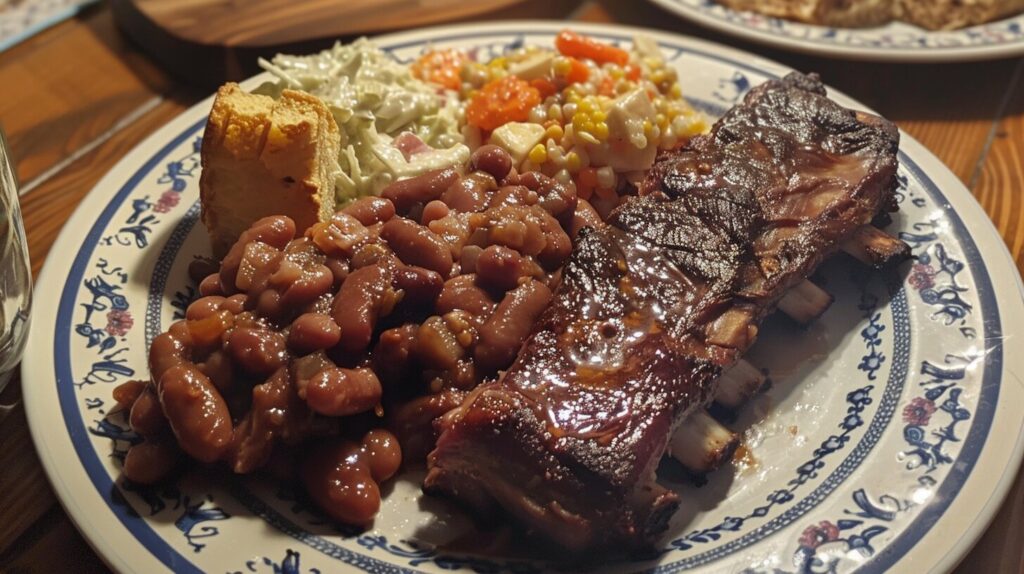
{"points": [[586, 182], [442, 67], [545, 86], [633, 73], [606, 87], [504, 100], [570, 43], [578, 71]]}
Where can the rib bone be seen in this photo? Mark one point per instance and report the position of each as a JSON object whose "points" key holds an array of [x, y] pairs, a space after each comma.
{"points": [[805, 302], [702, 444], [738, 385], [874, 247]]}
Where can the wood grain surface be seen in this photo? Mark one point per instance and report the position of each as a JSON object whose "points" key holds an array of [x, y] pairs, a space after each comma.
{"points": [[78, 96], [276, 22]]}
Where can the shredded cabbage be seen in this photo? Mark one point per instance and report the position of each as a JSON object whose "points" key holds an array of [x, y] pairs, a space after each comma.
{"points": [[374, 98]]}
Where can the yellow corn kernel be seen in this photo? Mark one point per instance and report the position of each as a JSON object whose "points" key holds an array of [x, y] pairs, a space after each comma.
{"points": [[539, 154], [572, 162], [675, 91], [561, 66], [648, 127], [599, 116], [554, 132], [600, 131], [499, 62]]}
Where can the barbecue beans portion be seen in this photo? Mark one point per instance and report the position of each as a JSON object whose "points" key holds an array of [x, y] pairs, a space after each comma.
{"points": [[383, 316]]}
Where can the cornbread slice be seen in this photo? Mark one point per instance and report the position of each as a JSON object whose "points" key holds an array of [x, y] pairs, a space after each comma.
{"points": [[843, 13], [953, 14], [261, 157]]}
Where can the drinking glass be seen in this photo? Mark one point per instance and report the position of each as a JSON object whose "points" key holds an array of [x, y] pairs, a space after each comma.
{"points": [[15, 273]]}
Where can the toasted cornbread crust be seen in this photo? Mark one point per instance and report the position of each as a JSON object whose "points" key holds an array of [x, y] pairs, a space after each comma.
{"points": [[263, 157]]}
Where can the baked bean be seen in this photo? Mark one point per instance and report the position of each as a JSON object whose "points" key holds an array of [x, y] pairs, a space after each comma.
{"points": [[556, 198], [469, 194], [492, 159], [514, 226], [340, 236], [257, 351], [436, 345], [499, 268], [126, 393], [147, 417], [501, 336], [313, 332], [204, 307], [303, 368], [339, 392], [584, 216], [383, 455], [211, 285], [198, 414], [416, 245], [315, 281], [221, 371], [433, 211], [421, 286], [276, 413], [359, 303], [259, 263], [340, 482], [206, 334], [339, 270], [167, 350], [236, 303], [370, 254], [413, 421], [275, 231], [513, 195], [557, 245], [406, 193], [468, 258], [392, 357], [149, 461], [268, 304], [463, 293], [369, 210]]}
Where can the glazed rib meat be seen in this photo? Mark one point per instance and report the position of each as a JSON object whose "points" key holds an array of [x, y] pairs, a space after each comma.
{"points": [[652, 307]]}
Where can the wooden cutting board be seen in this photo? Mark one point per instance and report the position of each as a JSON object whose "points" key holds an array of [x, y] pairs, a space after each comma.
{"points": [[250, 23], [206, 42]]}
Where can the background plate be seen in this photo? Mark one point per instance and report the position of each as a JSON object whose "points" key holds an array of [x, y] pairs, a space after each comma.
{"points": [[894, 42]]}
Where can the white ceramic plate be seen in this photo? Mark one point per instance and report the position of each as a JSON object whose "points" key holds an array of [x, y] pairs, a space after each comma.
{"points": [[890, 436], [893, 42]]}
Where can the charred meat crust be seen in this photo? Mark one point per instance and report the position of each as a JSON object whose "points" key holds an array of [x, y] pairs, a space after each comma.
{"points": [[653, 305]]}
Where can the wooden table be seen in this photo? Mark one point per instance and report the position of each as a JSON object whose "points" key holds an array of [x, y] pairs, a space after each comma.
{"points": [[77, 97]]}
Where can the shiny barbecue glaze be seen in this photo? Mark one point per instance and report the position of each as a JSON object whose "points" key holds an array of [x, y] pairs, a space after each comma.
{"points": [[651, 308]]}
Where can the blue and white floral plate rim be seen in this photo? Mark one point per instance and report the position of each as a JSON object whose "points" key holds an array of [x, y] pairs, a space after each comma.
{"points": [[893, 421], [893, 42]]}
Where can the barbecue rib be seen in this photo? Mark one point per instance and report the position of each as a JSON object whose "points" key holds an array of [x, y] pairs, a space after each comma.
{"points": [[653, 306]]}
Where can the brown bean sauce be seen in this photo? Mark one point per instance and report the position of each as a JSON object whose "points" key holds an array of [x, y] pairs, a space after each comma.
{"points": [[381, 317]]}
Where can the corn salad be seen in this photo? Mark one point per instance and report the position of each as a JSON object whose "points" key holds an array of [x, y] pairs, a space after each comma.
{"points": [[586, 113]]}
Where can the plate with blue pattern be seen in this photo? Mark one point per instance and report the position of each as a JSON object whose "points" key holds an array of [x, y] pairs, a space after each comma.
{"points": [[889, 438], [892, 42]]}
